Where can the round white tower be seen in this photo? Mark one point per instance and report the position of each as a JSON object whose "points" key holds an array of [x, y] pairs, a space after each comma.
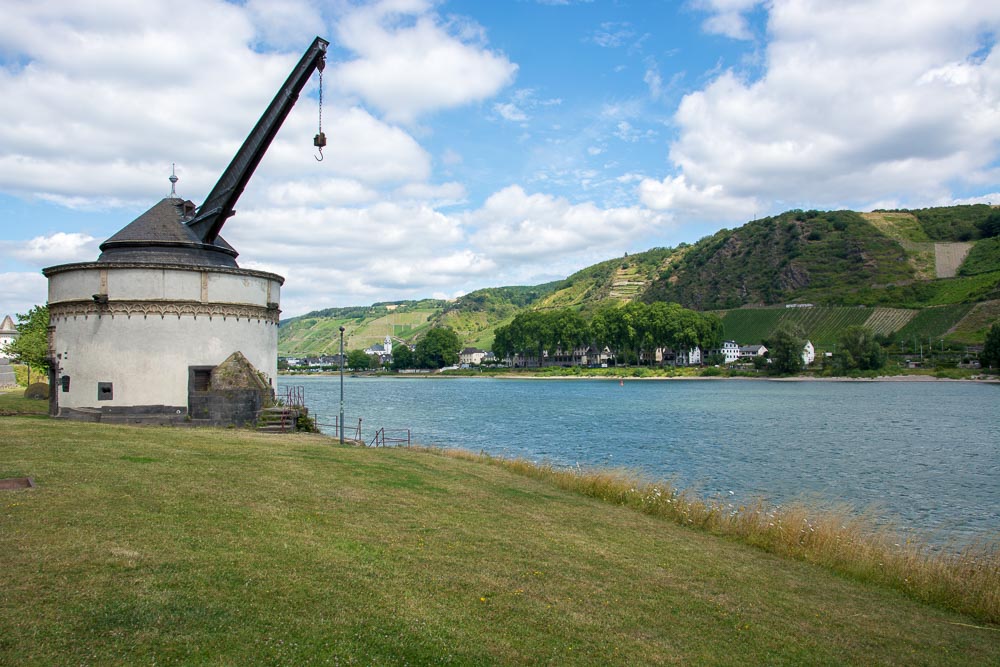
{"points": [[135, 336]]}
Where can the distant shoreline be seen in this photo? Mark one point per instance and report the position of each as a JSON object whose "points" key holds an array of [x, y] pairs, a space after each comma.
{"points": [[794, 378]]}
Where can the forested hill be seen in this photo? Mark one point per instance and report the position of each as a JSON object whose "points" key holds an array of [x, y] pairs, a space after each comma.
{"points": [[911, 261], [834, 258]]}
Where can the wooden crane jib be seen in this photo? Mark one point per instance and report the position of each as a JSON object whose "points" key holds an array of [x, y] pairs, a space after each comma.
{"points": [[220, 203]]}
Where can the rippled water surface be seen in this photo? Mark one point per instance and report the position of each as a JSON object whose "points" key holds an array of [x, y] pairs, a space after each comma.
{"points": [[923, 454]]}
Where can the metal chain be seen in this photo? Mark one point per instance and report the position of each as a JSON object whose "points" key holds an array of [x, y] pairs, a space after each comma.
{"points": [[320, 141]]}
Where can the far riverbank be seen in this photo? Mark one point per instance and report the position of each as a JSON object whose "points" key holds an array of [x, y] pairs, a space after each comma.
{"points": [[647, 374]]}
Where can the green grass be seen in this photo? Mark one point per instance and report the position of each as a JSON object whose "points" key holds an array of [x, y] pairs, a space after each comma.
{"points": [[174, 546], [933, 322], [971, 329], [966, 289], [820, 324], [13, 402], [750, 325], [983, 258], [888, 320], [898, 225]]}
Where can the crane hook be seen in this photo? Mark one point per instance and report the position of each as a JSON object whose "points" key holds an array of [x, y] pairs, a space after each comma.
{"points": [[319, 141]]}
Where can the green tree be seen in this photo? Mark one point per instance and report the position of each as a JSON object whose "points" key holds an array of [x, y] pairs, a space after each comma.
{"points": [[358, 360], [569, 330], [438, 348], [990, 358], [990, 226], [785, 349], [402, 357], [715, 359], [502, 346], [858, 349], [31, 347]]}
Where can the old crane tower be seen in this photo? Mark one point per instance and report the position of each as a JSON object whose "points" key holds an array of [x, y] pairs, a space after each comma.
{"points": [[165, 326]]}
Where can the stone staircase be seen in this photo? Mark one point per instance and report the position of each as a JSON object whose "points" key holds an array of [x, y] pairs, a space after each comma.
{"points": [[7, 378], [279, 419]]}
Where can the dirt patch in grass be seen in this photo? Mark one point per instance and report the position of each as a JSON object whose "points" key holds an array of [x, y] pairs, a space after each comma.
{"points": [[16, 483]]}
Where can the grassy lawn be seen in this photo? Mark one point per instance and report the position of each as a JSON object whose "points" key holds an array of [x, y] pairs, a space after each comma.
{"points": [[13, 402], [155, 545]]}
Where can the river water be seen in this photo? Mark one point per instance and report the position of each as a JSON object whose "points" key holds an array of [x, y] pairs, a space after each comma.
{"points": [[922, 455]]}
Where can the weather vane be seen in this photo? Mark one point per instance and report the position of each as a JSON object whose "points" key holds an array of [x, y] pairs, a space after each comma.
{"points": [[173, 180]]}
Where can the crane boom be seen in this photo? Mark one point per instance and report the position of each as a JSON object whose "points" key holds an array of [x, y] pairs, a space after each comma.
{"points": [[220, 203]]}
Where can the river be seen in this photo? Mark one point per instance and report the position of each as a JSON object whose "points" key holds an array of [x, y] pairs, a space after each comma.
{"points": [[924, 456]]}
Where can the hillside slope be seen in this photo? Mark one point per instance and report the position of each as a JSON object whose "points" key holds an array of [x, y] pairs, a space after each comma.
{"points": [[811, 256], [895, 263]]}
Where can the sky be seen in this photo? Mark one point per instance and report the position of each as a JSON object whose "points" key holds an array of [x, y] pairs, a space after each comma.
{"points": [[479, 144]]}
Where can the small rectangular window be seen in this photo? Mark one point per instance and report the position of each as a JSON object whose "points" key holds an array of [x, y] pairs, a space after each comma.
{"points": [[201, 379], [65, 382], [105, 391]]}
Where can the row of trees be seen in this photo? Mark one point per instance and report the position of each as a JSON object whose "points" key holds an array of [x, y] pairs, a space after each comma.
{"points": [[635, 329]]}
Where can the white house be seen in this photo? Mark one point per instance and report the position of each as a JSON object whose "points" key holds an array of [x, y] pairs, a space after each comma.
{"points": [[808, 353], [730, 350], [751, 351], [690, 357], [8, 332], [471, 356]]}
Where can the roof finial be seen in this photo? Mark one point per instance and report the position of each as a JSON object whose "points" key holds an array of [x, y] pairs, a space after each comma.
{"points": [[173, 181]]}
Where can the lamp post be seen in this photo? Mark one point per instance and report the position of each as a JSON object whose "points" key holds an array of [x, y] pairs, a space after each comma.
{"points": [[341, 385]]}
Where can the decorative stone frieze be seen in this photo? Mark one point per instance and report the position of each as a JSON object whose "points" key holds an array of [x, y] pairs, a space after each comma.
{"points": [[146, 309]]}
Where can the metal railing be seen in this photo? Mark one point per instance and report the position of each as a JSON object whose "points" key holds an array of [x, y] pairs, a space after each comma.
{"points": [[292, 396], [391, 437], [351, 432]]}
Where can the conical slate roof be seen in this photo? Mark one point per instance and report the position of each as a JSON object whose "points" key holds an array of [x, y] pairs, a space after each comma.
{"points": [[161, 236], [7, 326]]}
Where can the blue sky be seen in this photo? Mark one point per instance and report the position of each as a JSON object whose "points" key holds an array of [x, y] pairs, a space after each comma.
{"points": [[477, 144]]}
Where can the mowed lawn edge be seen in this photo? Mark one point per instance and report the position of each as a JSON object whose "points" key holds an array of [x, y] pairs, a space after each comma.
{"points": [[231, 547]]}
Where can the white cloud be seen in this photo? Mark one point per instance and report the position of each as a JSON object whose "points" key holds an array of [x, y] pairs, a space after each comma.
{"points": [[54, 249], [510, 112], [517, 227], [441, 194], [625, 131], [347, 255], [410, 63], [322, 192], [653, 80], [20, 291], [727, 17], [521, 102], [104, 97], [860, 102], [674, 193], [612, 35]]}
